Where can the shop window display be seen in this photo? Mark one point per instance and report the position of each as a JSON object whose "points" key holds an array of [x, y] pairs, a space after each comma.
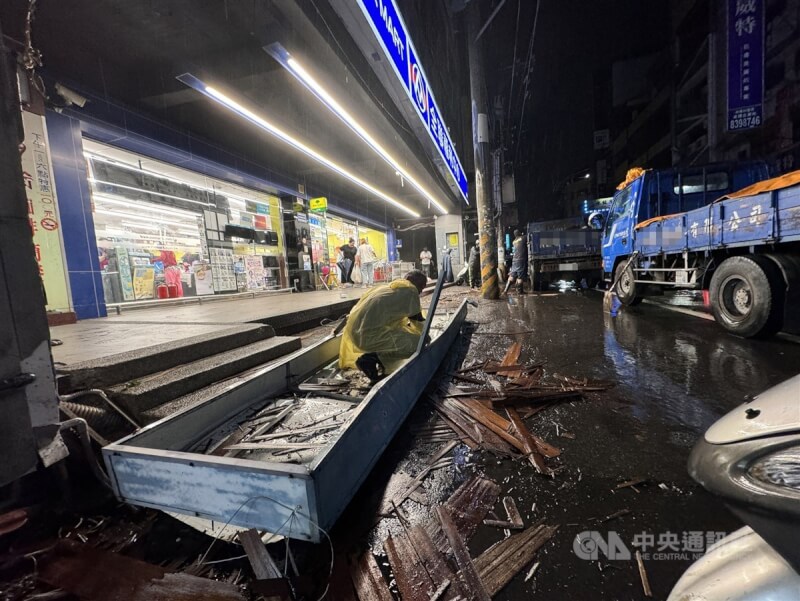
{"points": [[161, 230]]}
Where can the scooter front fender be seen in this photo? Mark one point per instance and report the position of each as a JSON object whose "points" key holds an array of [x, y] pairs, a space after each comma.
{"points": [[740, 567]]}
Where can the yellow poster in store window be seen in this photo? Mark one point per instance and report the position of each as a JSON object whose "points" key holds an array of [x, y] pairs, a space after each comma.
{"points": [[40, 188]]}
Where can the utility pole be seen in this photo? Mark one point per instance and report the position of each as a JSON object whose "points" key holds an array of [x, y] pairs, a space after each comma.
{"points": [[28, 401], [480, 142]]}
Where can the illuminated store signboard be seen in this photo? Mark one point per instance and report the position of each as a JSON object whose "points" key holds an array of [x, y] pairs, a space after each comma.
{"points": [[388, 26]]}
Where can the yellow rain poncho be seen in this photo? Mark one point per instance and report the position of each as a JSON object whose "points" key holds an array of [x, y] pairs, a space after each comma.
{"points": [[380, 324]]}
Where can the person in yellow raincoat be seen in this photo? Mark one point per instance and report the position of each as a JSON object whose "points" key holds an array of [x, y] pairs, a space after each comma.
{"points": [[384, 327]]}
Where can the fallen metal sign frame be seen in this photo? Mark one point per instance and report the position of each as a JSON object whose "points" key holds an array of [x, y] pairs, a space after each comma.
{"points": [[151, 468]]}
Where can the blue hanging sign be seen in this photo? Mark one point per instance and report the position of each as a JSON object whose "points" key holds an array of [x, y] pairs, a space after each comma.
{"points": [[389, 29], [745, 64]]}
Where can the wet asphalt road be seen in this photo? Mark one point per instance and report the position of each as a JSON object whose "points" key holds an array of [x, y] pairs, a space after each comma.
{"points": [[675, 375]]}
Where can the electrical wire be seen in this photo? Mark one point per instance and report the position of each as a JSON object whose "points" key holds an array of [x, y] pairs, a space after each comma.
{"points": [[293, 512], [513, 63], [527, 79]]}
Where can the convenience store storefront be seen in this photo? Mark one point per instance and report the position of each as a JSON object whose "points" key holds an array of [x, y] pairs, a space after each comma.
{"points": [[166, 232], [145, 221]]}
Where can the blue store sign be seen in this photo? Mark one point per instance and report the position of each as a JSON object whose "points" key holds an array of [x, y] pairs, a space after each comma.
{"points": [[388, 26], [745, 64]]}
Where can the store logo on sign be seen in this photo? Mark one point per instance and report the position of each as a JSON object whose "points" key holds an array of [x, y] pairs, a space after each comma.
{"points": [[420, 90]]}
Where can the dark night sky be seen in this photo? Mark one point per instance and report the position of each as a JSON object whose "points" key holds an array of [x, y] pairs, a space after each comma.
{"points": [[574, 40]]}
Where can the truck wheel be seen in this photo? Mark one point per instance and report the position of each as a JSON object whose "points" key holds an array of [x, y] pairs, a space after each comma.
{"points": [[747, 296], [626, 287]]}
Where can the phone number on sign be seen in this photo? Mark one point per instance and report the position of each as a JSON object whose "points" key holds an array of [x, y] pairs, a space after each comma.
{"points": [[745, 122]]}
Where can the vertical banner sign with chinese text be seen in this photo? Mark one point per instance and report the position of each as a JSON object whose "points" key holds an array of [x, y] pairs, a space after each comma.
{"points": [[745, 64], [40, 189], [387, 25]]}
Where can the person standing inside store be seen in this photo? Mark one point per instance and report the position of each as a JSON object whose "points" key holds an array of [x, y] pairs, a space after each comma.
{"points": [[519, 263], [365, 259], [348, 261], [425, 260]]}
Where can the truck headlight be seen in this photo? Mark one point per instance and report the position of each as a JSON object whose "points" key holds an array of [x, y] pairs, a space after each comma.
{"points": [[781, 468]]}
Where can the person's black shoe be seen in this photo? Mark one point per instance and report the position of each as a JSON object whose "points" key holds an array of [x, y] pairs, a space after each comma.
{"points": [[371, 366]]}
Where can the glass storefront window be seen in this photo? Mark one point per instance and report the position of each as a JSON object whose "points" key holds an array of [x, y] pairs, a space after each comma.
{"points": [[165, 232]]}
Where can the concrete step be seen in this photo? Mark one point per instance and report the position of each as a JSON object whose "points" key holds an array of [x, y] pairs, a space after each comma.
{"points": [[123, 367], [212, 391], [150, 391]]}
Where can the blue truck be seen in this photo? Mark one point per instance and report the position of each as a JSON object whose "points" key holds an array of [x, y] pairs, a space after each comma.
{"points": [[684, 230]]}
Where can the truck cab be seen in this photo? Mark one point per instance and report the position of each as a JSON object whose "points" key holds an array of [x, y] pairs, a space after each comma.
{"points": [[662, 192]]}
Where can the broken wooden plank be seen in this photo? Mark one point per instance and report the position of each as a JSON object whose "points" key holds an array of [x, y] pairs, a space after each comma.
{"points": [[514, 397], [490, 420], [643, 575], [512, 359], [514, 521], [460, 552], [368, 580], [435, 564], [478, 432], [499, 564], [531, 449], [585, 383], [413, 581], [512, 512], [467, 507], [531, 410], [630, 483], [465, 438], [615, 515], [532, 571], [264, 567]]}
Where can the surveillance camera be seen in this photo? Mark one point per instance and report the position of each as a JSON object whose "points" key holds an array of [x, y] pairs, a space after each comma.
{"points": [[70, 96]]}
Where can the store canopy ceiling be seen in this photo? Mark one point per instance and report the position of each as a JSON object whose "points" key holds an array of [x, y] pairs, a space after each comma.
{"points": [[131, 52]]}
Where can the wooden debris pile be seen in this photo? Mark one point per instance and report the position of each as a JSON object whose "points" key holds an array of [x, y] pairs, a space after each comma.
{"points": [[518, 391], [431, 562]]}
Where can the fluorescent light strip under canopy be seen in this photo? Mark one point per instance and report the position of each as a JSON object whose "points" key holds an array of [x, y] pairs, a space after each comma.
{"points": [[280, 54], [214, 94]]}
